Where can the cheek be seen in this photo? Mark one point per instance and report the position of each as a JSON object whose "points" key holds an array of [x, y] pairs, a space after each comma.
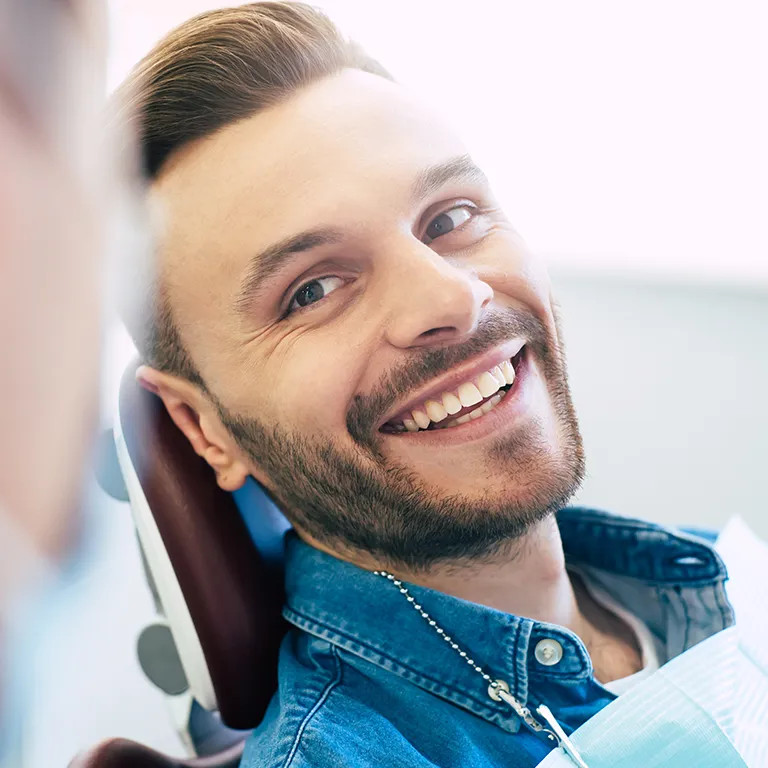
{"points": [[311, 390], [517, 275]]}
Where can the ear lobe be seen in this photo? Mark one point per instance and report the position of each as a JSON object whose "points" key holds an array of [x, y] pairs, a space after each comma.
{"points": [[231, 473], [221, 454], [231, 481]]}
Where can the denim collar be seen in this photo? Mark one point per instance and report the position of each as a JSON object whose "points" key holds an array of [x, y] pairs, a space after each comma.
{"points": [[658, 574]]}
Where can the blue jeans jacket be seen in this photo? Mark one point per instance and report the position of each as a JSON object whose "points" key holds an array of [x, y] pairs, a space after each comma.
{"points": [[364, 681]]}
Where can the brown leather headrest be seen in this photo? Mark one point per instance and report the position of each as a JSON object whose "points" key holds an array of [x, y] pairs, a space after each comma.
{"points": [[234, 600]]}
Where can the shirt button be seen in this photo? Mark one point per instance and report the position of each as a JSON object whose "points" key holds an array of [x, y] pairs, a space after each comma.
{"points": [[548, 652]]}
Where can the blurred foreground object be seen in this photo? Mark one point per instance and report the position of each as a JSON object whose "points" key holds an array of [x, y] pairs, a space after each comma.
{"points": [[51, 191], [54, 193]]}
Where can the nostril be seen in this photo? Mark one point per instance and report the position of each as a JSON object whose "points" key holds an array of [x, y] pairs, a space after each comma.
{"points": [[432, 332]]}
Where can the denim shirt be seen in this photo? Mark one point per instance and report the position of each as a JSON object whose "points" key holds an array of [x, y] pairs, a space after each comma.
{"points": [[364, 681]]}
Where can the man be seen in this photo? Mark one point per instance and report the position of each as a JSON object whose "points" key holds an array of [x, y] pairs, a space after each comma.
{"points": [[341, 310]]}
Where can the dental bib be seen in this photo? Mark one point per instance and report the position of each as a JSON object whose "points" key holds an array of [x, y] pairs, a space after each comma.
{"points": [[708, 707]]}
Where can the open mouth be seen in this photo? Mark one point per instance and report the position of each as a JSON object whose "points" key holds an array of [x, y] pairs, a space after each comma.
{"points": [[467, 402]]}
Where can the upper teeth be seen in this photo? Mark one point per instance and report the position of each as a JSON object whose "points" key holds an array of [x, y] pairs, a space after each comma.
{"points": [[469, 393]]}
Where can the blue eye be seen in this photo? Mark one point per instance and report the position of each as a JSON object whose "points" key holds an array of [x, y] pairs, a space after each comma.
{"points": [[448, 221], [314, 291]]}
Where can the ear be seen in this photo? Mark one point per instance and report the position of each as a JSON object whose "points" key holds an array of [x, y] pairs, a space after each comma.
{"points": [[193, 413]]}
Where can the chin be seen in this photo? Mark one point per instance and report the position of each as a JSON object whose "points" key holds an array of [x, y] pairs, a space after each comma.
{"points": [[530, 483]]}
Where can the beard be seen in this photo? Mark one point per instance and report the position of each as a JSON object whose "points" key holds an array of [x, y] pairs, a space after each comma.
{"points": [[358, 500]]}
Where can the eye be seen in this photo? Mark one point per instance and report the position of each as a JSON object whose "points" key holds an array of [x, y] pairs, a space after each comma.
{"points": [[314, 291], [448, 221]]}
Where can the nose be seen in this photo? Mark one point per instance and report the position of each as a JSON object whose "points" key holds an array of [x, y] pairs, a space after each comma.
{"points": [[433, 299]]}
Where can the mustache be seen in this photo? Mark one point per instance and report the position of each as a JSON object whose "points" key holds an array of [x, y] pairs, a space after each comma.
{"points": [[366, 411]]}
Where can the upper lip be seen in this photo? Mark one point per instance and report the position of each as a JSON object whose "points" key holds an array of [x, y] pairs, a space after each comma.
{"points": [[450, 380]]}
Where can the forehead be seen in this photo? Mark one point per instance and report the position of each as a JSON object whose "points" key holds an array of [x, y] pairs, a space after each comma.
{"points": [[292, 166], [337, 135], [339, 153]]}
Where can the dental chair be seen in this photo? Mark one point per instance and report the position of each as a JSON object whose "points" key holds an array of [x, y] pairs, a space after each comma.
{"points": [[216, 575]]}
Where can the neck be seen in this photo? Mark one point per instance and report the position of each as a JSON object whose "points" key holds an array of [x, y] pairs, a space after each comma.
{"points": [[528, 580]]}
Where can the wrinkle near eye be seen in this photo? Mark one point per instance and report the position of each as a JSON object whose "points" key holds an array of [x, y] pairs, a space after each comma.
{"points": [[254, 337], [274, 342]]}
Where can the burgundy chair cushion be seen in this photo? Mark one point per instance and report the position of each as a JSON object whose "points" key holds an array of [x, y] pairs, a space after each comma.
{"points": [[234, 600], [121, 753]]}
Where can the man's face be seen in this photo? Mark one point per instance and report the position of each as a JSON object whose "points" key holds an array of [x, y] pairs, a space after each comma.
{"points": [[343, 277]]}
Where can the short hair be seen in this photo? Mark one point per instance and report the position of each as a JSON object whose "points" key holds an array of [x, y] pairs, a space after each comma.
{"points": [[212, 71]]}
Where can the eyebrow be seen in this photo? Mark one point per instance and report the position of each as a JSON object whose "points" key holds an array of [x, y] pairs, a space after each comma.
{"points": [[268, 262], [265, 264], [434, 178]]}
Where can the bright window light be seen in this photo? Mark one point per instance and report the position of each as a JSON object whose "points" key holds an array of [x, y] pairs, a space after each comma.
{"points": [[621, 137]]}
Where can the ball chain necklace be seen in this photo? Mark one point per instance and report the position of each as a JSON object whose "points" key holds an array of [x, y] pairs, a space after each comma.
{"points": [[498, 689]]}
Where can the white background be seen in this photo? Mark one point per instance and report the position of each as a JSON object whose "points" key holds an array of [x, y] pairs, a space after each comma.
{"points": [[629, 136]]}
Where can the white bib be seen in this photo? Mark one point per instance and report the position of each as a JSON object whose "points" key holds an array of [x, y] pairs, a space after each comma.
{"points": [[708, 707]]}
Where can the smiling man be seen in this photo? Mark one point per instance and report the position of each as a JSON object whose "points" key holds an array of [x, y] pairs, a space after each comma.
{"points": [[341, 310]]}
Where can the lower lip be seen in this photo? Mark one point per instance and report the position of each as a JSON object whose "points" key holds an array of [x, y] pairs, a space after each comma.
{"points": [[512, 407]]}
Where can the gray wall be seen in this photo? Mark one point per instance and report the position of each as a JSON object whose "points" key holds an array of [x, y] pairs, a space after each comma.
{"points": [[671, 386]]}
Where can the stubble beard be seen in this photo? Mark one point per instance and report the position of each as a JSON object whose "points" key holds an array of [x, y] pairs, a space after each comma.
{"points": [[357, 500]]}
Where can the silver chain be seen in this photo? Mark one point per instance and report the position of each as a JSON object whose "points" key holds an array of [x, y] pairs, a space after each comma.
{"points": [[498, 690], [432, 623]]}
